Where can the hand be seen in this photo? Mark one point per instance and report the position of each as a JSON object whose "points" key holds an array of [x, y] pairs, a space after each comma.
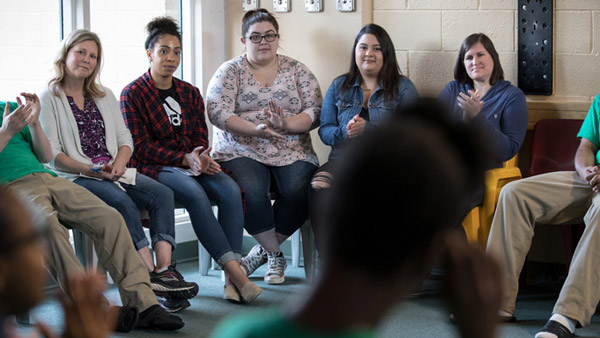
{"points": [[106, 172], [199, 161], [207, 164], [471, 104], [276, 117], [356, 126], [473, 287], [592, 177], [85, 312], [35, 105], [263, 131], [117, 169], [15, 122], [192, 160]]}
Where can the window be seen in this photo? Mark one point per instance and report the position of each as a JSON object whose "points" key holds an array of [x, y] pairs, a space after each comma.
{"points": [[121, 26], [30, 31]]}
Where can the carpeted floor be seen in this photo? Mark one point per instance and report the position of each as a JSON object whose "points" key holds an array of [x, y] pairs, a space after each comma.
{"points": [[421, 316]]}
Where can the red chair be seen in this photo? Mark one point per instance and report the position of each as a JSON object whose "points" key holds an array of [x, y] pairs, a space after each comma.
{"points": [[553, 147]]}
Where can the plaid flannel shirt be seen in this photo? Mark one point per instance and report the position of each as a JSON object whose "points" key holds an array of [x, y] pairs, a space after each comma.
{"points": [[155, 142]]}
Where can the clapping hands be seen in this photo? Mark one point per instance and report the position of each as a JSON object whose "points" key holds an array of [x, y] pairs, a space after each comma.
{"points": [[27, 113], [356, 126], [276, 119], [470, 103], [200, 162]]}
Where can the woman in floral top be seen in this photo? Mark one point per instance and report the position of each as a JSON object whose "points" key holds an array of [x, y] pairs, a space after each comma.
{"points": [[264, 105]]}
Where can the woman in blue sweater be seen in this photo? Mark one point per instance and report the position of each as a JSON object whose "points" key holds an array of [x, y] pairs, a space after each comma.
{"points": [[479, 95]]}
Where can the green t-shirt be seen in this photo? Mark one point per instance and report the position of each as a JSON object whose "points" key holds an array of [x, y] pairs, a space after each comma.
{"points": [[590, 129], [273, 323], [17, 159]]}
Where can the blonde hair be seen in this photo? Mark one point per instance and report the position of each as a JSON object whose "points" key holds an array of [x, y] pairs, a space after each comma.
{"points": [[91, 85]]}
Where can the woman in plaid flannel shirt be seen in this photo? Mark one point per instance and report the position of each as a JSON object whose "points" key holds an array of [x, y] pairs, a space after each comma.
{"points": [[166, 119]]}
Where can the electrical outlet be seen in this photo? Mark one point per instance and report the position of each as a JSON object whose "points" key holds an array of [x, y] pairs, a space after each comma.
{"points": [[248, 5], [313, 5], [281, 5], [345, 5]]}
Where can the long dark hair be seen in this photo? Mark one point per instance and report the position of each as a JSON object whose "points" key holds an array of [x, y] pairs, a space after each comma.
{"points": [[460, 72], [389, 75]]}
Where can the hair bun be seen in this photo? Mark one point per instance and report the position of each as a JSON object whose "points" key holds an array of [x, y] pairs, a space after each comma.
{"points": [[162, 23], [159, 26]]}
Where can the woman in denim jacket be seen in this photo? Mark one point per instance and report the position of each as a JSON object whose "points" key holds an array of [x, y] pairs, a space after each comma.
{"points": [[363, 98]]}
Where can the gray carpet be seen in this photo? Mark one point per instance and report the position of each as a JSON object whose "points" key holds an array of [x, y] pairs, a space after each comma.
{"points": [[421, 316]]}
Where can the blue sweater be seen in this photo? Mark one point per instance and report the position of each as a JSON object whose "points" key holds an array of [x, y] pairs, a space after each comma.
{"points": [[503, 117]]}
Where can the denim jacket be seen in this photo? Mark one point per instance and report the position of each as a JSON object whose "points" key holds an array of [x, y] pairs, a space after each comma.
{"points": [[339, 108]]}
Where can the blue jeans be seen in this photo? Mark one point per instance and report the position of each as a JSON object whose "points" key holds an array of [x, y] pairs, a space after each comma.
{"points": [[222, 238], [145, 194], [290, 209]]}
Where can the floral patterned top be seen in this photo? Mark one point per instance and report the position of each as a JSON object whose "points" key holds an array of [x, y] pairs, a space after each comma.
{"points": [[92, 133], [234, 91]]}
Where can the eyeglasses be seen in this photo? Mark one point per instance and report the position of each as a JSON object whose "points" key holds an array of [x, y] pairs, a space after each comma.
{"points": [[269, 37]]}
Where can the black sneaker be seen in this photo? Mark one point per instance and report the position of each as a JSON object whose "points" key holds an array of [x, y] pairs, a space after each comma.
{"points": [[156, 318], [171, 285], [173, 305], [127, 319]]}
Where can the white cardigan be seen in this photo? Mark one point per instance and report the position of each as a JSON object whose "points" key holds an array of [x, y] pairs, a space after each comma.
{"points": [[60, 126]]}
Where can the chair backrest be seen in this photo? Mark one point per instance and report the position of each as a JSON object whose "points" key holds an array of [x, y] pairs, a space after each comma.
{"points": [[512, 163], [553, 146]]}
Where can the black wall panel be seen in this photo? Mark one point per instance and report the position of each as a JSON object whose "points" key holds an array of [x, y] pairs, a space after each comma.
{"points": [[535, 46]]}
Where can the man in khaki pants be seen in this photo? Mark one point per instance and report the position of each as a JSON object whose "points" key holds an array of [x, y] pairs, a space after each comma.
{"points": [[555, 198], [23, 145]]}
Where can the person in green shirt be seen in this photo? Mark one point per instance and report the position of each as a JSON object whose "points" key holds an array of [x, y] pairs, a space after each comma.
{"points": [[382, 240], [555, 198], [23, 149]]}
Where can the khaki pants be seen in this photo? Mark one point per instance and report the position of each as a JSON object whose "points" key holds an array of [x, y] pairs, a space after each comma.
{"points": [[553, 198], [71, 205]]}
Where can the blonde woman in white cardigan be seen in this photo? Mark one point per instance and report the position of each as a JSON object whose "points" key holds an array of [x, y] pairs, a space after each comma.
{"points": [[91, 146]]}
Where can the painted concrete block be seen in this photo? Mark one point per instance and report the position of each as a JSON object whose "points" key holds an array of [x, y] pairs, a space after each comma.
{"points": [[411, 30]]}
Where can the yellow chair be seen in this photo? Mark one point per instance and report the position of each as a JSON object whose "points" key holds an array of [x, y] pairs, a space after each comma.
{"points": [[478, 222]]}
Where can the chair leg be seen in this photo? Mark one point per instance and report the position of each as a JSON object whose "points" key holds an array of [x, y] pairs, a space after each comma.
{"points": [[84, 249], [203, 259], [296, 248], [310, 250]]}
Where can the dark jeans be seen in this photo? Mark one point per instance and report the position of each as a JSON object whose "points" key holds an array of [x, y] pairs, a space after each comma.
{"points": [[145, 194], [222, 238], [317, 199], [290, 209]]}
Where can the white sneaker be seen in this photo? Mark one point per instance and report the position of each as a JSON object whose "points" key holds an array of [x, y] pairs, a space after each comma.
{"points": [[255, 258], [276, 267]]}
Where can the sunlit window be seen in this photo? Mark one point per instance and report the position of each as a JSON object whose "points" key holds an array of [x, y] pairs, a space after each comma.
{"points": [[30, 33], [121, 27]]}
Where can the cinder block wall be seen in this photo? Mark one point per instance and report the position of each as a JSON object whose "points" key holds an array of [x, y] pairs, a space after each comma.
{"points": [[428, 33]]}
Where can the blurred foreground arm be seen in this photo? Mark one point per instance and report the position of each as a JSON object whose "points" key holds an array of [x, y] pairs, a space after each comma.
{"points": [[473, 288]]}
